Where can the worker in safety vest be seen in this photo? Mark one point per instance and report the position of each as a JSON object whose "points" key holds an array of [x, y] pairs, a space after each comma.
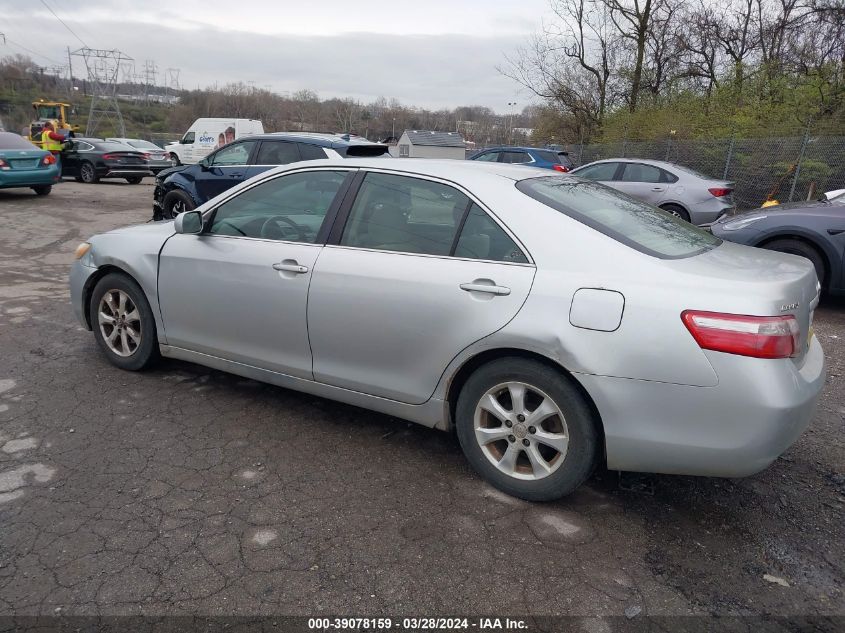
{"points": [[52, 142]]}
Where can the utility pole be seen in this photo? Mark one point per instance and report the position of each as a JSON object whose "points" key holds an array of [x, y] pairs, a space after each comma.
{"points": [[512, 105]]}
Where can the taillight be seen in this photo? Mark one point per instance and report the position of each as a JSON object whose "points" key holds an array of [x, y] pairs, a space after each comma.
{"points": [[146, 156], [110, 156], [757, 336], [720, 192], [560, 167], [49, 159], [4, 164]]}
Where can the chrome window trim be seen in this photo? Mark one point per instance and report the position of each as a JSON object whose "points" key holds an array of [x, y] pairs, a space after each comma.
{"points": [[429, 255]]}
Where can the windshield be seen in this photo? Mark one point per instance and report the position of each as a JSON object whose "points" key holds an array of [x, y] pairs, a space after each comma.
{"points": [[639, 225], [9, 140]]}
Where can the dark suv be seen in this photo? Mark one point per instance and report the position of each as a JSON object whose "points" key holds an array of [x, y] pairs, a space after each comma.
{"points": [[543, 157], [186, 187]]}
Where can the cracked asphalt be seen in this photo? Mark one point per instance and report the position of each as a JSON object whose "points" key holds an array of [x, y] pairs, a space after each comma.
{"points": [[183, 490]]}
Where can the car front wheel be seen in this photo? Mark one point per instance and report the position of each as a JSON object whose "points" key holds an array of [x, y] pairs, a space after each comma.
{"points": [[123, 323], [177, 202], [526, 429]]}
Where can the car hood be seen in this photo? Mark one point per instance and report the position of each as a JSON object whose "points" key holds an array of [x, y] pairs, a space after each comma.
{"points": [[148, 230], [164, 173]]}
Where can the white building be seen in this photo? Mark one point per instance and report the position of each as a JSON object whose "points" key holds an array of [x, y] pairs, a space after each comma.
{"points": [[428, 144]]}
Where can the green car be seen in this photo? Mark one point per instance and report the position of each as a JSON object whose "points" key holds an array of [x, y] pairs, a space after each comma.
{"points": [[22, 164]]}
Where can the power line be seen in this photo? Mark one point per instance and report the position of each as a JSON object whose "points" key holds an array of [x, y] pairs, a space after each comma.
{"points": [[30, 51], [63, 23]]}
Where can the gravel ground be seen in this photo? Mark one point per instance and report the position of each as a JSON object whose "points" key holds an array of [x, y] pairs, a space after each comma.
{"points": [[188, 491]]}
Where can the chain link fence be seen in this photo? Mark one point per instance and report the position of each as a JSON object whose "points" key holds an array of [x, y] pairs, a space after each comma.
{"points": [[786, 168]]}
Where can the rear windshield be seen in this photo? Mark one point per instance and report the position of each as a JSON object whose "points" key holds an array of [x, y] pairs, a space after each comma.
{"points": [[362, 150], [8, 140], [113, 146], [143, 144], [639, 225]]}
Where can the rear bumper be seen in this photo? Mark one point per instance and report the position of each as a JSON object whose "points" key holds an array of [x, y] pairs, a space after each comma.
{"points": [[735, 429], [29, 177]]}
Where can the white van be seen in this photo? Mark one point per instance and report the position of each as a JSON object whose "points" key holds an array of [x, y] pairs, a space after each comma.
{"points": [[206, 135]]}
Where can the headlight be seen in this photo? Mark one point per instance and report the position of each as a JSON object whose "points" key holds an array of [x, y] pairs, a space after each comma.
{"points": [[82, 250], [741, 223]]}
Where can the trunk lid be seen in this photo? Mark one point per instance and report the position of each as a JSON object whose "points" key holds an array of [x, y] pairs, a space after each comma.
{"points": [[738, 279]]}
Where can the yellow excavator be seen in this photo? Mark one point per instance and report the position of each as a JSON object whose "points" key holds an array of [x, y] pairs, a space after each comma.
{"points": [[54, 111]]}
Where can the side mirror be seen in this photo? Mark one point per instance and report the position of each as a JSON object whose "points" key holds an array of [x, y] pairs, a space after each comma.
{"points": [[188, 223], [204, 164]]}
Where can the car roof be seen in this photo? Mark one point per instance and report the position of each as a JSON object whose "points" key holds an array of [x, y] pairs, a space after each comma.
{"points": [[501, 148], [312, 138], [455, 170], [644, 161]]}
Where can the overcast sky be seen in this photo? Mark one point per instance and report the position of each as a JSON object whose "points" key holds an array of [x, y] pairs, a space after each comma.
{"points": [[431, 53]]}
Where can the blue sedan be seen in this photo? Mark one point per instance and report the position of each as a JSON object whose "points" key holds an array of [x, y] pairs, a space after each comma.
{"points": [[542, 157], [22, 164]]}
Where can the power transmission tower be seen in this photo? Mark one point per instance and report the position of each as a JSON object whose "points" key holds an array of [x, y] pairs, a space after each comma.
{"points": [[149, 74], [103, 67], [171, 82]]}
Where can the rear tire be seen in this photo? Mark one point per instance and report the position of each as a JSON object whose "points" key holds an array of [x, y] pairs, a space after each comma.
{"points": [[553, 422], [43, 190], [176, 202], [123, 323], [802, 249], [87, 173], [135, 180], [677, 210]]}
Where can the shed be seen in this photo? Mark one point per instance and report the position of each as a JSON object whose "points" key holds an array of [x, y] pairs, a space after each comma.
{"points": [[429, 144]]}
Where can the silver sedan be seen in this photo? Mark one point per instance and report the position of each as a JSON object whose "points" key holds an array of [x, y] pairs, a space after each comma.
{"points": [[679, 190], [552, 322]]}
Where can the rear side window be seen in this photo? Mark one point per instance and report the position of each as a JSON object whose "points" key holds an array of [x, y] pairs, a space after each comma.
{"points": [[277, 153], [636, 224], [311, 152], [482, 238], [404, 214], [515, 157], [550, 157], [637, 172]]}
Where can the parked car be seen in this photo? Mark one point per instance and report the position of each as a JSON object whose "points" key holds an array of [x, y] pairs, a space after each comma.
{"points": [[157, 158], [681, 191], [814, 230], [207, 134], [184, 188], [90, 159], [22, 164], [833, 194], [551, 321], [541, 157]]}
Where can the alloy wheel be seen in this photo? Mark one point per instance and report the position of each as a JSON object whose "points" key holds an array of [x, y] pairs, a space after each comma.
{"points": [[120, 322], [178, 207], [521, 430], [87, 172]]}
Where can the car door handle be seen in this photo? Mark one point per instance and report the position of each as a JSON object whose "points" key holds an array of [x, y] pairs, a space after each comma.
{"points": [[290, 267], [487, 288], [658, 188]]}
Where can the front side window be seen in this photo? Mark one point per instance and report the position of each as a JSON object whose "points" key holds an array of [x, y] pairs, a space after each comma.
{"points": [[489, 157], [401, 213], [639, 225], [601, 171], [188, 138], [290, 208], [482, 238], [637, 172], [235, 154], [277, 153]]}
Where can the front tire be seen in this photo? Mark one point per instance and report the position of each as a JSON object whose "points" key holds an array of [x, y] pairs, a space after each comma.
{"points": [[174, 160], [802, 249], [177, 202], [43, 190], [123, 323], [526, 430], [87, 173]]}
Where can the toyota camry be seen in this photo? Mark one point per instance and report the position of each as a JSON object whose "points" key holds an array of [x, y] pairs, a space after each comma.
{"points": [[552, 322]]}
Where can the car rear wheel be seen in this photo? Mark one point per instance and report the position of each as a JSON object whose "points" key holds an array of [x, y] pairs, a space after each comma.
{"points": [[123, 323], [135, 180], [177, 202], [526, 430], [87, 173], [676, 210], [801, 248], [43, 190]]}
